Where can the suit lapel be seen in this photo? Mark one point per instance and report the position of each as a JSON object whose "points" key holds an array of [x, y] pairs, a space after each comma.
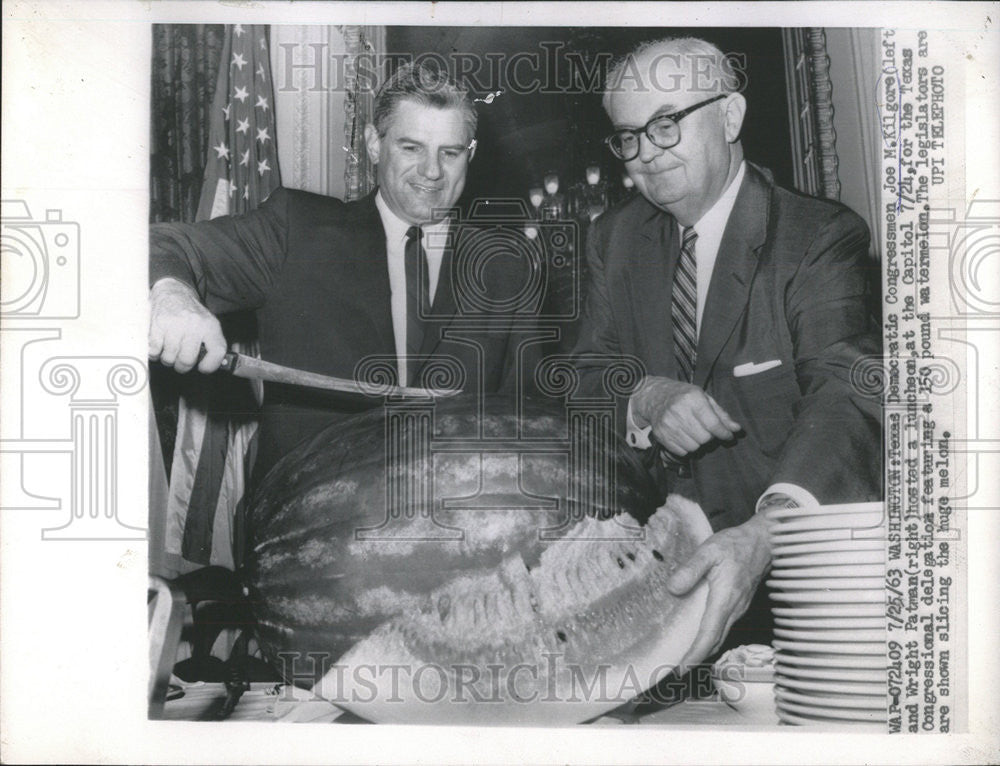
{"points": [[735, 265], [372, 272], [652, 254]]}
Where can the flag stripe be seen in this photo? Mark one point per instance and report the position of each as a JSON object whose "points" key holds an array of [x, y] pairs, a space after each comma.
{"points": [[197, 544]]}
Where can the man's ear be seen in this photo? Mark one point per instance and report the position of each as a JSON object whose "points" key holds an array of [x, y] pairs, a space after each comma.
{"points": [[372, 143], [736, 109]]}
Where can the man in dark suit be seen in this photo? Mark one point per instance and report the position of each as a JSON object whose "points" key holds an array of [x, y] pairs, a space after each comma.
{"points": [[361, 289], [746, 304]]}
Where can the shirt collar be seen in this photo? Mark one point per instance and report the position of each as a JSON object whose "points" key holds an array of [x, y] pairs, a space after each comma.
{"points": [[717, 216], [396, 228]]}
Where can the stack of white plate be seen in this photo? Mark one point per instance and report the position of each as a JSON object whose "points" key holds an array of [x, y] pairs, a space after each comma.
{"points": [[828, 591]]}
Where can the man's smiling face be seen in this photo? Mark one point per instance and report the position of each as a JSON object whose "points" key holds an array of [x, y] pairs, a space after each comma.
{"points": [[422, 159], [688, 178]]}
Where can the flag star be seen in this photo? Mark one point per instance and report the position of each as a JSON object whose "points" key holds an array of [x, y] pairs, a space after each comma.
{"points": [[222, 151], [263, 136], [243, 126], [260, 72], [232, 188], [238, 30], [246, 192], [241, 94], [245, 158], [262, 103], [263, 44], [238, 61], [225, 110], [263, 167]]}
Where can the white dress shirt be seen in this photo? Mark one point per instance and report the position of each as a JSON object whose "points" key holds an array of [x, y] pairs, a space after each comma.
{"points": [[710, 227], [395, 248]]}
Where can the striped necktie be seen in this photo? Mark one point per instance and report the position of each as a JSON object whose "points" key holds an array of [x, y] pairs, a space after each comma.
{"points": [[417, 296], [684, 307]]}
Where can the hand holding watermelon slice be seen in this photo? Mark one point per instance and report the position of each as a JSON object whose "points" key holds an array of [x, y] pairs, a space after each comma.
{"points": [[733, 562]]}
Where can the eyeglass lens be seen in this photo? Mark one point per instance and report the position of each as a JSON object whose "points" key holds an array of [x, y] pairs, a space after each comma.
{"points": [[663, 133]]}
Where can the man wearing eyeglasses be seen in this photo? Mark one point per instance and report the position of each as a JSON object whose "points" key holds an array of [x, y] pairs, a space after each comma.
{"points": [[334, 283], [746, 304]]}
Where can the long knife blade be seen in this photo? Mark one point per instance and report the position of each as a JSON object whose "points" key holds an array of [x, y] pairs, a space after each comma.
{"points": [[243, 366]]}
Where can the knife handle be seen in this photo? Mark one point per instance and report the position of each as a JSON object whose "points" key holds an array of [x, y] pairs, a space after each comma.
{"points": [[228, 363]]}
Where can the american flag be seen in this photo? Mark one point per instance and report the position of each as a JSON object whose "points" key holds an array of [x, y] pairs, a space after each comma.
{"points": [[208, 473], [242, 166]]}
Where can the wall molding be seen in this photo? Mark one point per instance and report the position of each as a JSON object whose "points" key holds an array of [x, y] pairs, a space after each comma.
{"points": [[810, 112]]}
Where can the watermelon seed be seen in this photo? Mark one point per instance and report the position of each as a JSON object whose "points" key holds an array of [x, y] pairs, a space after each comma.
{"points": [[621, 564], [444, 606], [630, 556], [657, 555], [560, 635]]}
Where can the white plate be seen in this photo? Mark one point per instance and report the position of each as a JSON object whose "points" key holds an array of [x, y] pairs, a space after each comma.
{"points": [[841, 675], [871, 649], [833, 687], [874, 520], [831, 558], [832, 623], [843, 570], [839, 701], [847, 661], [800, 720], [821, 635], [824, 510], [827, 535], [786, 550], [833, 583], [849, 714], [819, 597], [834, 700], [830, 610]]}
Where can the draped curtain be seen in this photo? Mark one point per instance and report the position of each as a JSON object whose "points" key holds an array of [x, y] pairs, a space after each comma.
{"points": [[325, 80], [363, 46], [185, 67]]}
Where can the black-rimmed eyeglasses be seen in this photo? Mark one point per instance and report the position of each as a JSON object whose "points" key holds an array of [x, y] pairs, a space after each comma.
{"points": [[663, 131]]}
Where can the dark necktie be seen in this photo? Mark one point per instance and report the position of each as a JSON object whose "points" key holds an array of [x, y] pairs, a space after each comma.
{"points": [[417, 296], [684, 307]]}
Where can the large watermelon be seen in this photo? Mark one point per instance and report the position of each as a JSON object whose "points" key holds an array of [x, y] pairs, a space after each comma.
{"points": [[457, 562]]}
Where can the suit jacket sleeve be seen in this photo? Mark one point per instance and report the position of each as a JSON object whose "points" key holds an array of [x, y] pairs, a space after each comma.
{"points": [[834, 448], [230, 261], [598, 345]]}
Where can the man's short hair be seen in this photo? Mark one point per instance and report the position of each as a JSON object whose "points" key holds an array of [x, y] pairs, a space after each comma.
{"points": [[426, 83], [718, 70]]}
